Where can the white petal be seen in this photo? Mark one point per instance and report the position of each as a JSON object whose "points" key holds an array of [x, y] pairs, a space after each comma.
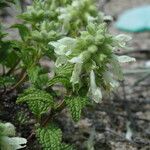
{"points": [[95, 91], [97, 95], [13, 143], [116, 68], [108, 77], [123, 37], [9, 129], [129, 132], [125, 59], [108, 18], [114, 84], [67, 41], [60, 61], [76, 60], [75, 78], [64, 46], [92, 81]]}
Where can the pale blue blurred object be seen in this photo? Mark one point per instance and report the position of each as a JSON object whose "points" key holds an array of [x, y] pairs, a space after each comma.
{"points": [[135, 20]]}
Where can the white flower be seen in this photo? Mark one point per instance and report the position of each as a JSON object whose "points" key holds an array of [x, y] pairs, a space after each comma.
{"points": [[10, 143], [95, 91], [75, 78], [122, 39], [116, 68], [9, 129], [108, 77], [64, 46], [13, 143], [77, 59], [125, 59], [61, 60]]}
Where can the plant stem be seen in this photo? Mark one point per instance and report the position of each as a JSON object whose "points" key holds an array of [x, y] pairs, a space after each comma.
{"points": [[22, 79], [55, 111]]}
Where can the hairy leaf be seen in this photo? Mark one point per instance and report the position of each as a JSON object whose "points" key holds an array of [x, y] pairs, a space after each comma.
{"points": [[76, 104], [66, 147], [59, 79], [39, 101], [49, 137]]}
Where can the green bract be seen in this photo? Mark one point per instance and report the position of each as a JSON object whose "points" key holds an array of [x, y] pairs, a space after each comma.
{"points": [[76, 16]]}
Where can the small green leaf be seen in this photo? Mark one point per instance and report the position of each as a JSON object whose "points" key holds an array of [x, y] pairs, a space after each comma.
{"points": [[66, 147], [23, 30], [6, 80], [49, 137], [76, 104], [59, 79], [39, 101]]}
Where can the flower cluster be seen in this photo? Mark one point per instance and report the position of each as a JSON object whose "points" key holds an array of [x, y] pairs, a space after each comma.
{"points": [[93, 57], [76, 16]]}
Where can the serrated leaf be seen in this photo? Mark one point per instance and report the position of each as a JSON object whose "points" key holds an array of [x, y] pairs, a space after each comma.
{"points": [[39, 101], [64, 71], [76, 104], [49, 137], [33, 73], [66, 147], [59, 79]]}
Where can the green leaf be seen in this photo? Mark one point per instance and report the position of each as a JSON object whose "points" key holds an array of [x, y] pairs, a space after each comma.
{"points": [[76, 104], [5, 80], [65, 71], [39, 101], [23, 30], [49, 137], [5, 47], [11, 59], [66, 147], [59, 79], [33, 73], [5, 3]]}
